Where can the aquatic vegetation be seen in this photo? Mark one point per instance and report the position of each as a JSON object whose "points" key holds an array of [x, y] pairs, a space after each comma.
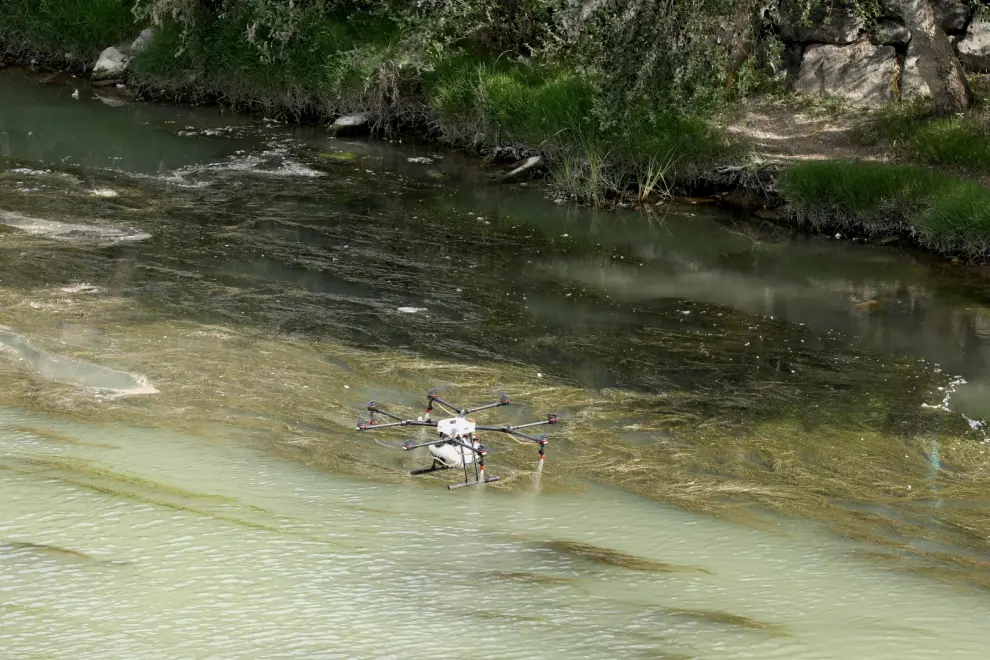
{"points": [[528, 577], [45, 548], [617, 558], [723, 618]]}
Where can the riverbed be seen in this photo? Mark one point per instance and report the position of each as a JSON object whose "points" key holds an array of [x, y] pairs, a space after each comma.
{"points": [[771, 445]]}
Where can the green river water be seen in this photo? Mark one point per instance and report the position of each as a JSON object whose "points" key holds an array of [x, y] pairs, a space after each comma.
{"points": [[771, 445]]}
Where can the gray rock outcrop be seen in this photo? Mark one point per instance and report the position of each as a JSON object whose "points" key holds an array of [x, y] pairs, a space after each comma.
{"points": [[143, 40], [860, 73], [952, 15], [974, 48], [111, 66], [892, 33], [912, 84]]}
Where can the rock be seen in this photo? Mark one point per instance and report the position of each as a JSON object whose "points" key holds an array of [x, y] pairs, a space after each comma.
{"points": [[862, 73], [143, 40], [952, 15], [527, 169], [829, 23], [111, 66], [912, 84], [974, 48], [892, 33], [351, 124]]}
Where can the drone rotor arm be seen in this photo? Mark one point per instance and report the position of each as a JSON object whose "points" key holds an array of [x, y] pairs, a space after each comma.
{"points": [[433, 398], [504, 401], [511, 430], [403, 422]]}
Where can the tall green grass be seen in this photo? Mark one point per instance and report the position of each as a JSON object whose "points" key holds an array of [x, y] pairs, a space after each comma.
{"points": [[48, 30], [939, 211], [555, 111]]}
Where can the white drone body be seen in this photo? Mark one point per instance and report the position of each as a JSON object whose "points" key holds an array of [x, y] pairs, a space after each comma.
{"points": [[456, 445], [455, 428]]}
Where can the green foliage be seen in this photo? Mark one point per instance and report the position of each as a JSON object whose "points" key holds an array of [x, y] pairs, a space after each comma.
{"points": [[331, 66], [941, 212], [685, 57], [49, 29], [550, 109]]}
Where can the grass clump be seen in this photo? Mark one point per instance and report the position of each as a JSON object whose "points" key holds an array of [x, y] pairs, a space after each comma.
{"points": [[71, 32], [553, 111], [939, 211]]}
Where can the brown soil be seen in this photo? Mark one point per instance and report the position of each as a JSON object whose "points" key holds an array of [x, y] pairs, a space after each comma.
{"points": [[788, 130]]}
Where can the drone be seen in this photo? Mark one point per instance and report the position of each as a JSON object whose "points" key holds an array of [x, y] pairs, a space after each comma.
{"points": [[457, 445]]}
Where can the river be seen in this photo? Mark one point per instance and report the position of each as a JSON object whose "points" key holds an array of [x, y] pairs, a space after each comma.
{"points": [[770, 446]]}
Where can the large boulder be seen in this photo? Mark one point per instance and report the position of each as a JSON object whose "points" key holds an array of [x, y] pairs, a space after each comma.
{"points": [[828, 22], [952, 15], [892, 33], [912, 84], [111, 66], [974, 48], [143, 40], [860, 73]]}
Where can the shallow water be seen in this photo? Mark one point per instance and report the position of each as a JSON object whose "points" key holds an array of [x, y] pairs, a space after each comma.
{"points": [[226, 551], [760, 412]]}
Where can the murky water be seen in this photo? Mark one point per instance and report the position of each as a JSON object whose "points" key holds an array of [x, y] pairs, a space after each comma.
{"points": [[759, 455]]}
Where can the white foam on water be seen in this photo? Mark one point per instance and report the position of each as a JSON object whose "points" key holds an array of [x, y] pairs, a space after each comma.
{"points": [[70, 231], [276, 160], [80, 288]]}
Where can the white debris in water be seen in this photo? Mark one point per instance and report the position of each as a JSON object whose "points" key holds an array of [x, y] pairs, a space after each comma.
{"points": [[420, 159], [411, 310], [103, 192], [65, 231], [28, 170], [81, 288]]}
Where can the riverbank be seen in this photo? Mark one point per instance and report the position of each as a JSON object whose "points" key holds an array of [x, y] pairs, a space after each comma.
{"points": [[889, 175]]}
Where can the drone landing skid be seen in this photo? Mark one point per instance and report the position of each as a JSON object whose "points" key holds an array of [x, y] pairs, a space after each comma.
{"points": [[487, 480]]}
